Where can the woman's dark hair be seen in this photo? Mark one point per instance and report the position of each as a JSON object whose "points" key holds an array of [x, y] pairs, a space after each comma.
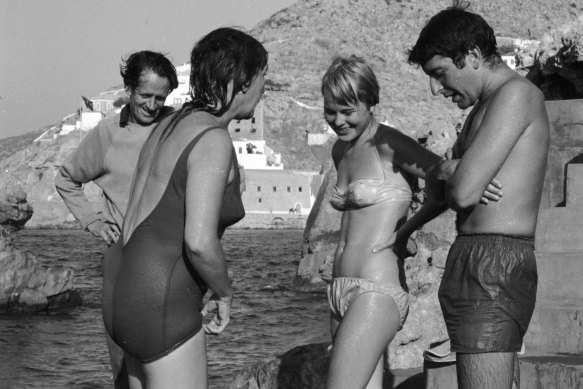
{"points": [[143, 61], [223, 55], [452, 33]]}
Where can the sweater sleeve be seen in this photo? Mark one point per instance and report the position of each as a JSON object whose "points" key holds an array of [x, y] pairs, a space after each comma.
{"points": [[83, 166]]}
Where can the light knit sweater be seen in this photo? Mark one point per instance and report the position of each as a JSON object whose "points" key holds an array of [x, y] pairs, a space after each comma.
{"points": [[107, 156]]}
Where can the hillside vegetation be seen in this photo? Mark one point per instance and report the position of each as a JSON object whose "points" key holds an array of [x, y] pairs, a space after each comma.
{"points": [[303, 38]]}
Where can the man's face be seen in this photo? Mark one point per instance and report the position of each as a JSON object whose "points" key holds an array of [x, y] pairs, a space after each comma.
{"points": [[447, 79], [147, 99]]}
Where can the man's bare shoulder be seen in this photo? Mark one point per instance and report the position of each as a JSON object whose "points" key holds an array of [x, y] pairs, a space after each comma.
{"points": [[520, 91], [515, 105]]}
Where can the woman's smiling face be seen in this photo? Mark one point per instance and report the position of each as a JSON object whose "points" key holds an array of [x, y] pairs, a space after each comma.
{"points": [[347, 120]]}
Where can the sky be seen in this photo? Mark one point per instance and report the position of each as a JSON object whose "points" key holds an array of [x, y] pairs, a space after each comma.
{"points": [[52, 52]]}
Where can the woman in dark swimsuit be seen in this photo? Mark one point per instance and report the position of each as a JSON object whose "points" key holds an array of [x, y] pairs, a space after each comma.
{"points": [[185, 193]]}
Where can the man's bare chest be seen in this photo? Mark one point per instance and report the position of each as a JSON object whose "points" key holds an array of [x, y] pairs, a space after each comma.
{"points": [[469, 131]]}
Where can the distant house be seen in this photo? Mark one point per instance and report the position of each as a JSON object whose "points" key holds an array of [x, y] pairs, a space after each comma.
{"points": [[510, 60], [255, 154], [105, 102], [182, 93], [280, 191]]}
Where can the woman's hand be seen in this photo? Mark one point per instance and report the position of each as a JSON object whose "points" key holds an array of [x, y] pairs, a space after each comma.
{"points": [[107, 231], [221, 307]]}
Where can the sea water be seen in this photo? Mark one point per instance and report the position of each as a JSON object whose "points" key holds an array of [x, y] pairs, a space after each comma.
{"points": [[66, 348]]}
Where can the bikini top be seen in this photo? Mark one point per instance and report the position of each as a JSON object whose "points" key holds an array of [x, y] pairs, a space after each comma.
{"points": [[364, 192]]}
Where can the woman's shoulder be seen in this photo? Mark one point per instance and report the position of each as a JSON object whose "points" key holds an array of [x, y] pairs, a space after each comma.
{"points": [[203, 128], [197, 121]]}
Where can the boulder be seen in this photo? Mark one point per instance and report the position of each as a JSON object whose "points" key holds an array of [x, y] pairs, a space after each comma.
{"points": [[302, 367], [24, 284]]}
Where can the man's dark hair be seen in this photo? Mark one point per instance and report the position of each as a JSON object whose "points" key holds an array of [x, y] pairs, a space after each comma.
{"points": [[452, 33], [143, 61], [223, 55]]}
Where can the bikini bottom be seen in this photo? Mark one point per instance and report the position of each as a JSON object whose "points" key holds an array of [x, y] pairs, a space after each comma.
{"points": [[343, 290]]}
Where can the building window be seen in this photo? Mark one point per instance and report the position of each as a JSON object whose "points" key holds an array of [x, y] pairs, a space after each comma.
{"points": [[177, 100], [253, 120], [108, 106], [275, 188], [258, 189], [300, 189], [289, 189], [240, 150], [237, 130], [260, 199], [253, 130], [97, 107]]}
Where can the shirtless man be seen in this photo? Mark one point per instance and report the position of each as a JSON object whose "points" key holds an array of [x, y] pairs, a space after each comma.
{"points": [[488, 289]]}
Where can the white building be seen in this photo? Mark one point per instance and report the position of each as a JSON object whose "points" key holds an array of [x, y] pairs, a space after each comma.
{"points": [[182, 92], [254, 154]]}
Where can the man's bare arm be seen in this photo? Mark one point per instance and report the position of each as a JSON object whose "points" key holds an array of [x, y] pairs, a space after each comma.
{"points": [[504, 121]]}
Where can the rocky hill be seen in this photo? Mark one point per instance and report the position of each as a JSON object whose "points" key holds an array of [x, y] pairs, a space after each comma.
{"points": [[302, 40], [9, 146]]}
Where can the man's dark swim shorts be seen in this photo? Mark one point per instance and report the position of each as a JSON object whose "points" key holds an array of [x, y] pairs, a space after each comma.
{"points": [[488, 292]]}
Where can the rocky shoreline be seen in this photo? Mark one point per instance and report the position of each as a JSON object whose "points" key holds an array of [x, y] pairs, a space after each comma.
{"points": [[25, 285]]}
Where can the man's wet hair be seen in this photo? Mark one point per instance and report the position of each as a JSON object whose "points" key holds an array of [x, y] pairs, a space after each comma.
{"points": [[143, 61], [452, 33], [349, 81], [223, 55]]}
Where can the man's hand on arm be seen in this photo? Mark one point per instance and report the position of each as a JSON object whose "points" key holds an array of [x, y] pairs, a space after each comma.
{"points": [[435, 184]]}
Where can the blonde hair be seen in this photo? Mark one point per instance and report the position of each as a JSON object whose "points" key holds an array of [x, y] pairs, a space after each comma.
{"points": [[350, 81]]}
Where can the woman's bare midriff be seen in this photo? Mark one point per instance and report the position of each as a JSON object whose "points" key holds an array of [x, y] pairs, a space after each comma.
{"points": [[364, 228]]}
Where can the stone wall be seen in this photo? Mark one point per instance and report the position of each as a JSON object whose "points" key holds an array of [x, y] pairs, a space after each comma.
{"points": [[566, 148], [271, 221]]}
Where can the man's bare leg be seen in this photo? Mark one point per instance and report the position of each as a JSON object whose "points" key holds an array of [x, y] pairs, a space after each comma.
{"points": [[485, 370]]}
